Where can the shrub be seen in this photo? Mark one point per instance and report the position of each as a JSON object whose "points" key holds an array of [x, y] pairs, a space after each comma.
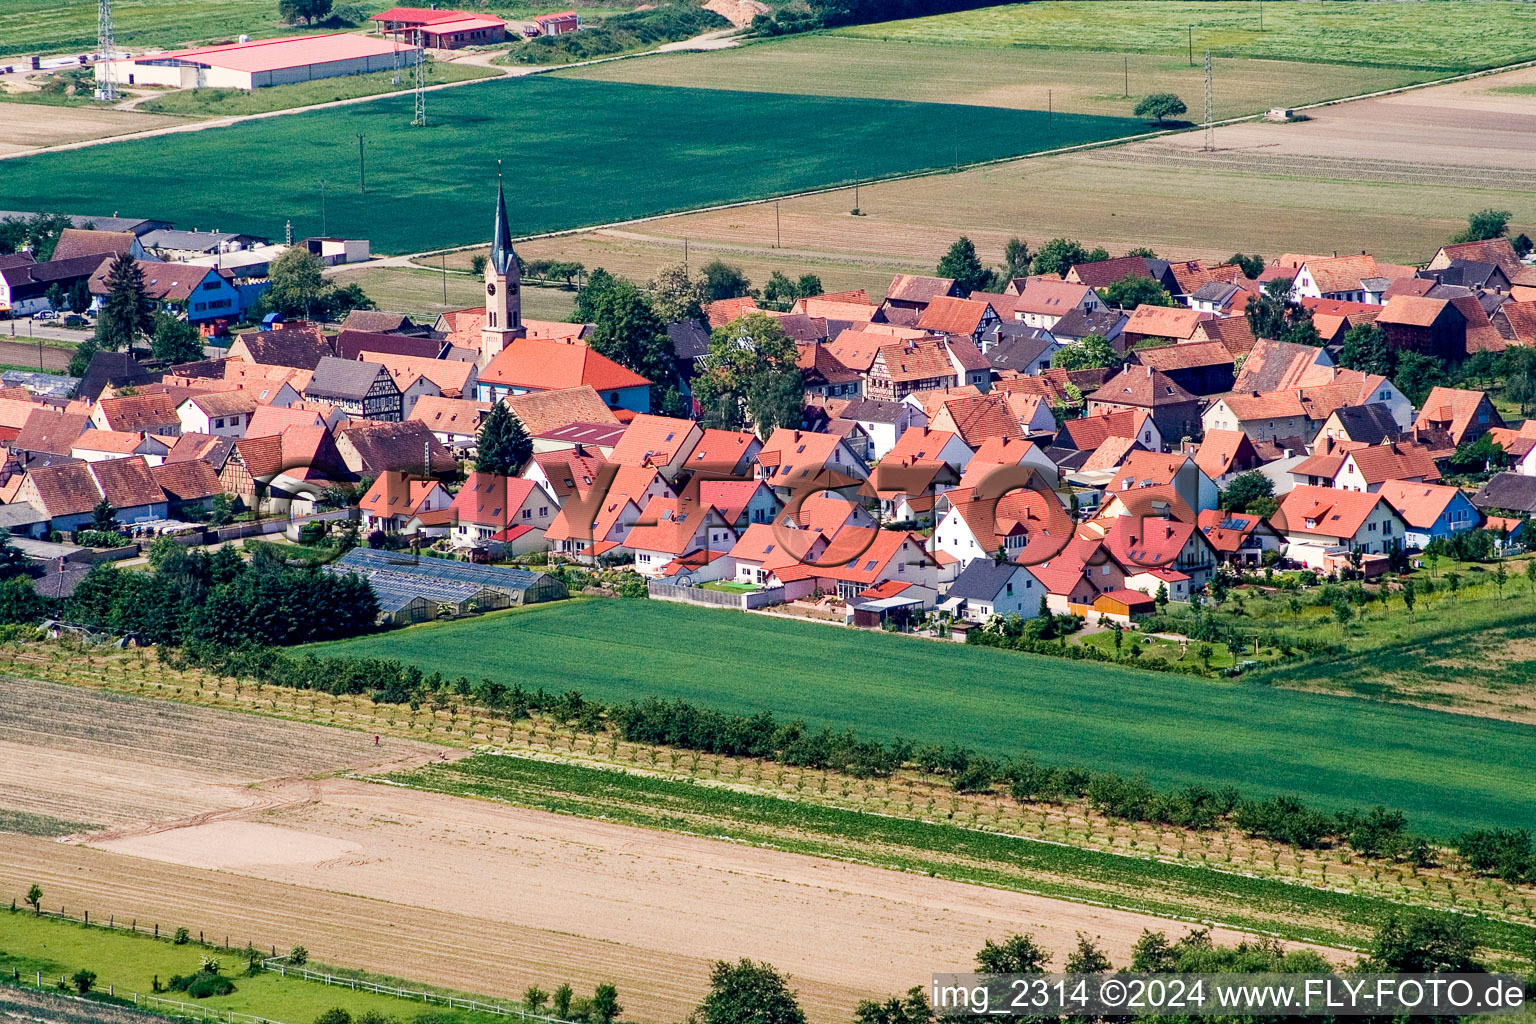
{"points": [[298, 956], [182, 937], [83, 980], [335, 1015], [204, 985]]}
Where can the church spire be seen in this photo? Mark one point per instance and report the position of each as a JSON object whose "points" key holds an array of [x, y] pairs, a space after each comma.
{"points": [[502, 254]]}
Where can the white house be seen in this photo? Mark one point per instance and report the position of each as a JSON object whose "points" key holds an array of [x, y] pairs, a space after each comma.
{"points": [[989, 588], [1321, 524], [671, 528], [221, 413]]}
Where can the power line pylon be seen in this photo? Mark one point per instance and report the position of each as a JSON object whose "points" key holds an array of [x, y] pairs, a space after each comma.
{"points": [[420, 120], [106, 89]]}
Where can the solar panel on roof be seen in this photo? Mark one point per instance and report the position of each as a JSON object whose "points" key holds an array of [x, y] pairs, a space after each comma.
{"points": [[1233, 524]]}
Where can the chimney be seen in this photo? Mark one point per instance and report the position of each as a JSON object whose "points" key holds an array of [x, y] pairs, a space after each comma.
{"points": [[1149, 371], [1335, 254]]}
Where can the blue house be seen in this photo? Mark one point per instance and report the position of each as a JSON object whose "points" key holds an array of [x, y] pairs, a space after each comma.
{"points": [[1430, 510], [202, 293]]}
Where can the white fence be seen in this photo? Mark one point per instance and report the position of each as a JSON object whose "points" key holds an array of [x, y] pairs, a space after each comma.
{"points": [[661, 590], [279, 965], [176, 1008]]}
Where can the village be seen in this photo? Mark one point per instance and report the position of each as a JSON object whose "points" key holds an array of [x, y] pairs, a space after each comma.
{"points": [[1095, 442]]}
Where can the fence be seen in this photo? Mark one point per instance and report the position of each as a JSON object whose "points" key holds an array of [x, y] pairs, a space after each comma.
{"points": [[280, 966], [743, 601], [274, 963], [150, 1003]]}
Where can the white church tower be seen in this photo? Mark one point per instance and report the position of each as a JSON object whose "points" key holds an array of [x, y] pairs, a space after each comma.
{"points": [[503, 297]]}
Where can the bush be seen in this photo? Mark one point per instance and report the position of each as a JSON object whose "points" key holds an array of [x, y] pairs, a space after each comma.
{"points": [[298, 956], [630, 31], [182, 937], [335, 1015]]}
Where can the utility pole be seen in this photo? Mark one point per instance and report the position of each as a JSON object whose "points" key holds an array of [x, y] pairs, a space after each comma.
{"points": [[323, 230], [1261, 15], [685, 257], [1050, 109], [445, 279], [1127, 77], [1210, 107], [778, 241], [1191, 46], [362, 178]]}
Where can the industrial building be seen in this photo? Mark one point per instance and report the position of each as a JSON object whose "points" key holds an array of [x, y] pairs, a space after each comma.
{"points": [[255, 65], [441, 30], [416, 589]]}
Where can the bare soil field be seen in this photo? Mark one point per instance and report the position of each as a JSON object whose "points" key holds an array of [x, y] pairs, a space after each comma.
{"points": [[1396, 175], [456, 891], [27, 126]]}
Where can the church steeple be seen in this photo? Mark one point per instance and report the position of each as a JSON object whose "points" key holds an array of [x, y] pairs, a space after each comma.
{"points": [[501, 234], [503, 301]]}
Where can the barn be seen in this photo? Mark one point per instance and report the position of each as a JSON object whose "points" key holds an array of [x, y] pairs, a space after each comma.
{"points": [[441, 30], [255, 65]]}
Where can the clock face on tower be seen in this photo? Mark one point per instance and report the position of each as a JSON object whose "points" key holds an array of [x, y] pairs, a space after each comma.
{"points": [[490, 289]]}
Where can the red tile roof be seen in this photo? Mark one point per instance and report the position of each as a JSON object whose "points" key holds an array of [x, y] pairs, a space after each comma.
{"points": [[1326, 511], [1419, 504], [654, 441], [949, 315], [490, 500], [551, 365]]}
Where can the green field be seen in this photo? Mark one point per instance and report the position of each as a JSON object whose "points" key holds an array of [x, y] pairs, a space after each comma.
{"points": [[1294, 911], [1076, 80], [575, 153], [419, 292], [1447, 772], [237, 102], [1440, 35], [130, 962]]}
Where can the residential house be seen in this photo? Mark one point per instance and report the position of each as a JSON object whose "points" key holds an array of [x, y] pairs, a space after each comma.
{"points": [[355, 343], [986, 588], [1239, 538], [271, 420], [1144, 546], [1107, 323], [1181, 472], [661, 442], [1429, 326], [1043, 303], [958, 317], [68, 492], [1103, 273], [24, 283], [509, 514], [670, 529], [1144, 389], [101, 445], [544, 411], [1372, 423], [112, 369], [913, 292], [299, 345], [1011, 454], [372, 448], [48, 432], [360, 389], [979, 521], [883, 422], [203, 293], [223, 413], [1224, 454], [925, 444], [190, 487], [822, 375], [739, 502], [1201, 367], [284, 470], [763, 550], [1083, 572], [1322, 525], [1169, 324], [902, 367], [1497, 251], [396, 497], [907, 490], [418, 378], [1025, 351], [453, 421], [1356, 278], [1282, 365], [151, 413], [1430, 510], [1465, 415], [593, 522], [799, 462], [535, 364], [1087, 433], [1511, 494], [1369, 468], [1232, 332], [723, 453]]}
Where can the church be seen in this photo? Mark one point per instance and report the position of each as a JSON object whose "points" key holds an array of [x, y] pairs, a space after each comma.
{"points": [[512, 363]]}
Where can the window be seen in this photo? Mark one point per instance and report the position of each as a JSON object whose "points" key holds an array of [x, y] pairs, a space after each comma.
{"points": [[218, 423], [1010, 590], [527, 513], [543, 511]]}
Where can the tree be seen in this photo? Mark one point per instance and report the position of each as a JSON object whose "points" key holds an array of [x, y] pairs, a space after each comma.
{"points": [[1252, 266], [1365, 349], [748, 993], [292, 11], [1245, 489], [723, 281], [1017, 954], [1059, 255], [1500, 578], [221, 511], [1160, 106], [503, 447], [604, 1008], [298, 956], [1093, 352], [80, 358], [1087, 958], [79, 299], [336, 303], [962, 264], [1420, 943], [83, 980], [38, 234], [1134, 290], [1417, 374], [561, 1006], [296, 281], [1272, 316], [627, 330], [751, 376], [1530, 575], [103, 516], [599, 283], [911, 1009], [534, 998], [335, 1015], [1342, 613], [127, 312], [34, 899], [477, 264], [1160, 599], [55, 296], [675, 296], [176, 341], [1016, 258], [1483, 225], [12, 562], [1522, 244], [780, 292]]}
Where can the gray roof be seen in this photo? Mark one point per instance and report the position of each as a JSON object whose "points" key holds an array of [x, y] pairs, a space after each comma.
{"points": [[1214, 291], [20, 513], [1079, 324], [1020, 353], [1508, 491], [193, 241], [41, 383], [872, 410], [981, 579], [690, 339], [344, 378], [61, 584], [1372, 423], [138, 225]]}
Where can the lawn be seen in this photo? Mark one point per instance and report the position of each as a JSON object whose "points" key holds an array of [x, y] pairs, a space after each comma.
{"points": [[419, 291], [576, 153], [130, 962], [1438, 35], [237, 102], [1075, 80], [1446, 771]]}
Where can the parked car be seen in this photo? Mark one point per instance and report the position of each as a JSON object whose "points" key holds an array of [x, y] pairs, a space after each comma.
{"points": [[76, 320], [46, 314]]}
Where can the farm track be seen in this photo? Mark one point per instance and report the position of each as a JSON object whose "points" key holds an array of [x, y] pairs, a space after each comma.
{"points": [[1320, 168]]}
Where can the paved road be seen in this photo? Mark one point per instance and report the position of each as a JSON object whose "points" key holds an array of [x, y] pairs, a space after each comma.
{"points": [[27, 328]]}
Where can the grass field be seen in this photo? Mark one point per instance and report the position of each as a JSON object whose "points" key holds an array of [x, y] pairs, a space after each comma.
{"points": [[130, 962], [1446, 771], [1443, 35], [951, 851], [567, 146], [1079, 81], [235, 102], [419, 292]]}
